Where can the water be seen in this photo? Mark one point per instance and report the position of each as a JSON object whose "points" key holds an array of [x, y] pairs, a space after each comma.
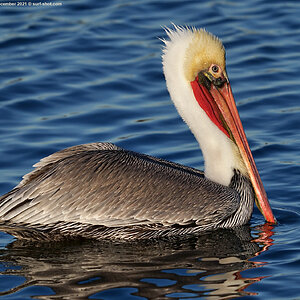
{"points": [[90, 71]]}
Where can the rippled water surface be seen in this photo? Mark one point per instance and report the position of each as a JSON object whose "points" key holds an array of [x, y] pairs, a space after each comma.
{"points": [[91, 71]]}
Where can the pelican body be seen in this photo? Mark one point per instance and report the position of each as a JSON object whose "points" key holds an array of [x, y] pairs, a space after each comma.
{"points": [[102, 191]]}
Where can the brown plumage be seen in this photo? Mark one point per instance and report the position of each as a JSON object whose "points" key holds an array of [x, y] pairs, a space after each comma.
{"points": [[96, 187]]}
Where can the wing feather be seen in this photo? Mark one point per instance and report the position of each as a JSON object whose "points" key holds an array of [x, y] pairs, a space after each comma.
{"points": [[102, 184]]}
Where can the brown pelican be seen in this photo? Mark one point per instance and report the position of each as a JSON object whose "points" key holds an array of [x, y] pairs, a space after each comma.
{"points": [[100, 191]]}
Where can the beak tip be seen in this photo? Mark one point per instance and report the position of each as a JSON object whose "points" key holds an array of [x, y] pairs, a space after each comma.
{"points": [[269, 217], [273, 221]]}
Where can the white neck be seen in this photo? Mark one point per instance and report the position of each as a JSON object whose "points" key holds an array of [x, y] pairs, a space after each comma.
{"points": [[218, 150]]}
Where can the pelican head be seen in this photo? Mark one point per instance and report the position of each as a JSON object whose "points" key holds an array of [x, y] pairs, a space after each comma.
{"points": [[195, 71]]}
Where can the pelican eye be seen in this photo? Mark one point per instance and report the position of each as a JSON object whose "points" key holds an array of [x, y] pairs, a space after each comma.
{"points": [[215, 68]]}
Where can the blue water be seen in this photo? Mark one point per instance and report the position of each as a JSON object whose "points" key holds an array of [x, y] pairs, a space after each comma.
{"points": [[90, 71]]}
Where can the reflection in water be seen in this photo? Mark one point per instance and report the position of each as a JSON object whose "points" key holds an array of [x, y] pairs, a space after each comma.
{"points": [[210, 264]]}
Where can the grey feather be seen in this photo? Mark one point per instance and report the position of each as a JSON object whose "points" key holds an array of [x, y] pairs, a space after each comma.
{"points": [[102, 188]]}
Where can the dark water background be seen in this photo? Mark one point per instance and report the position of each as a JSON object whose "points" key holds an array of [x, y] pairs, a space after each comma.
{"points": [[91, 71]]}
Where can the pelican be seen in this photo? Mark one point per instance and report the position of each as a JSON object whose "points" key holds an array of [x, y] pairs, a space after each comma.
{"points": [[102, 191]]}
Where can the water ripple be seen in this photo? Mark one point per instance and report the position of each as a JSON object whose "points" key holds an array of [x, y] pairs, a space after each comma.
{"points": [[91, 71]]}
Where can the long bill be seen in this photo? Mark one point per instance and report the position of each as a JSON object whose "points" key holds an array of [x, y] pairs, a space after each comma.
{"points": [[220, 104]]}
